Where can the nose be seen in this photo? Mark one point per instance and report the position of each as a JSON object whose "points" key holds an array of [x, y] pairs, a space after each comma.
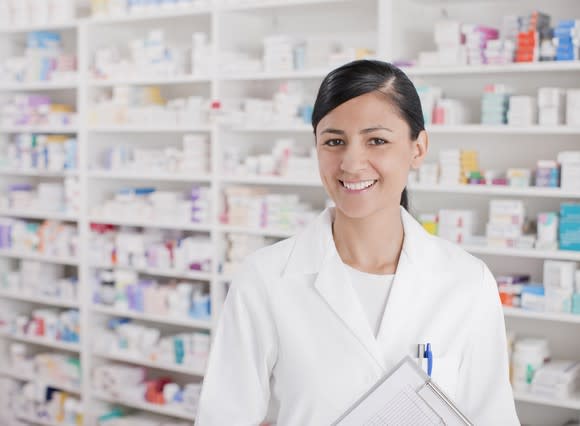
{"points": [[354, 159]]}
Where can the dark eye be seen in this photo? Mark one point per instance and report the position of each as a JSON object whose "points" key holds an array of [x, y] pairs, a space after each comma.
{"points": [[377, 141], [333, 142]]}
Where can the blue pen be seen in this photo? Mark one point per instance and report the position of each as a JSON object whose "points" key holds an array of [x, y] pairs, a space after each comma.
{"points": [[429, 356]]}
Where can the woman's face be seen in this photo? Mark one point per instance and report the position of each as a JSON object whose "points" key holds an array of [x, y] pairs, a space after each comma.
{"points": [[365, 153]]}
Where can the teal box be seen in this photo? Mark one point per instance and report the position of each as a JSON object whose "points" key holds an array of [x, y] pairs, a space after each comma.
{"points": [[570, 209], [576, 303], [570, 246]]}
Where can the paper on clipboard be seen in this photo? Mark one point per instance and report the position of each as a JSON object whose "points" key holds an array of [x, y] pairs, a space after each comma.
{"points": [[406, 396]]}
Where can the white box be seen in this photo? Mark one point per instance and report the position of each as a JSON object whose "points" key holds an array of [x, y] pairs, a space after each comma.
{"points": [[559, 274]]}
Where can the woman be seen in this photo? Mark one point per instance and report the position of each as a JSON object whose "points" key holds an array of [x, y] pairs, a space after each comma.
{"points": [[312, 322]]}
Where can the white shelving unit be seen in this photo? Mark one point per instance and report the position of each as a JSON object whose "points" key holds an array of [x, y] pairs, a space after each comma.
{"points": [[29, 378], [151, 408], [175, 368], [379, 23]]}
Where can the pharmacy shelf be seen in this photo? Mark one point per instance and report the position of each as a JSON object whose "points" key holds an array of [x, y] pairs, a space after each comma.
{"points": [[33, 378], [175, 368], [71, 347], [69, 25], [539, 67], [160, 177], [302, 128], [151, 224], [441, 129], [572, 403], [494, 190], [37, 421], [43, 300], [164, 319], [16, 254], [274, 233], [29, 214], [158, 81], [288, 75], [39, 173], [40, 86], [148, 129], [156, 15], [271, 180], [527, 253], [273, 4], [66, 130], [169, 273], [142, 405], [510, 312], [502, 129]]}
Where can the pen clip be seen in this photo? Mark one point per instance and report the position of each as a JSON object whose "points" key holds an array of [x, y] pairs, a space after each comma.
{"points": [[429, 356]]}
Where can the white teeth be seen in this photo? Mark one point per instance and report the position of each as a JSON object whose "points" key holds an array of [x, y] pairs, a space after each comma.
{"points": [[357, 186]]}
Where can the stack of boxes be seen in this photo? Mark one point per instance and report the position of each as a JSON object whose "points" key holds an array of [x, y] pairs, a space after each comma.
{"points": [[567, 40], [573, 107], [559, 286], [570, 175], [551, 106], [495, 104], [450, 165], [459, 166], [278, 54], [470, 172], [457, 225], [429, 174], [510, 27], [519, 178], [476, 40], [506, 222], [547, 174], [522, 111], [531, 29], [500, 52], [195, 157], [570, 226], [547, 232], [450, 47]]}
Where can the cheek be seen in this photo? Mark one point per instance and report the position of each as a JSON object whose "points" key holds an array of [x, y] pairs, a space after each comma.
{"points": [[327, 163], [393, 164]]}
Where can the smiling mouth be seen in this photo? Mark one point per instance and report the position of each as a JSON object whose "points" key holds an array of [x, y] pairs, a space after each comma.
{"points": [[358, 186]]}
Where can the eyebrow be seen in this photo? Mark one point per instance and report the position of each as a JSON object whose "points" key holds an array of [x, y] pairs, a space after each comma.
{"points": [[363, 131]]}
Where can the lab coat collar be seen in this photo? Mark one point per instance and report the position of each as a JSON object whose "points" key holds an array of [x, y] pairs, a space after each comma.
{"points": [[315, 243], [315, 253]]}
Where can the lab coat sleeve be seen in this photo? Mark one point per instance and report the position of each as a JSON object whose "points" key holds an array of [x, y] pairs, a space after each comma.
{"points": [[236, 387], [485, 391]]}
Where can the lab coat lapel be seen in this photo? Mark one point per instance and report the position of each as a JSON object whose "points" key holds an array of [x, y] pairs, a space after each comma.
{"points": [[334, 285], [408, 285], [315, 253]]}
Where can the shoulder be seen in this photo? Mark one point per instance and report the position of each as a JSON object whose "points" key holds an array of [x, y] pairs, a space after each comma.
{"points": [[453, 254], [272, 259], [452, 259]]}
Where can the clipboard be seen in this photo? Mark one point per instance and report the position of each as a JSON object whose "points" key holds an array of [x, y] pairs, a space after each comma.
{"points": [[406, 395]]}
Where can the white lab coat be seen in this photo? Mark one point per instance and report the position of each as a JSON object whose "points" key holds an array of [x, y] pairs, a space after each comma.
{"points": [[293, 332]]}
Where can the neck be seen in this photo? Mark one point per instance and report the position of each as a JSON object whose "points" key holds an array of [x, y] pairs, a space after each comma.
{"points": [[371, 244]]}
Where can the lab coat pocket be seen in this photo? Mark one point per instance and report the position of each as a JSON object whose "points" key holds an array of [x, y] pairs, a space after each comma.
{"points": [[445, 374]]}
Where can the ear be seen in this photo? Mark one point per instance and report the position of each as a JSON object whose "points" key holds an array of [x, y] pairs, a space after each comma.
{"points": [[420, 148]]}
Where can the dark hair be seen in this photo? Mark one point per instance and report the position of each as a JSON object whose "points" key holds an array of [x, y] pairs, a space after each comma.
{"points": [[364, 76]]}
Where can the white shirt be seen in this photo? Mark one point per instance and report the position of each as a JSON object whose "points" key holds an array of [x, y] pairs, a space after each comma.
{"points": [[373, 292]]}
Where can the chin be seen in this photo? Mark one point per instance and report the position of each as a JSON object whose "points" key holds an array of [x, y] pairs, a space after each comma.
{"points": [[353, 211]]}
